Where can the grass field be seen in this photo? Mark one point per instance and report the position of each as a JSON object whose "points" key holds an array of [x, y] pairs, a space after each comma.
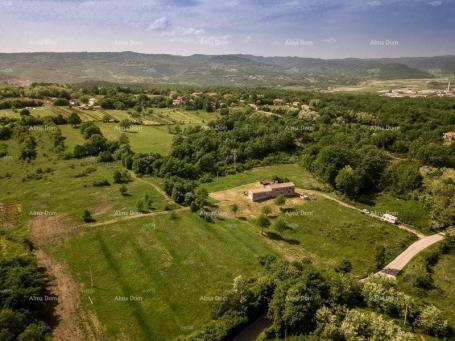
{"points": [[171, 271], [293, 172], [410, 211], [328, 233], [143, 139], [64, 189], [443, 294]]}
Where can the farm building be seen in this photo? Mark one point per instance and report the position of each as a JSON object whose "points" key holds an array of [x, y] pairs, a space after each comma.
{"points": [[271, 191]]}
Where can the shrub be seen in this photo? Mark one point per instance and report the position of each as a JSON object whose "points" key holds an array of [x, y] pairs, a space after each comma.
{"points": [[87, 217], [432, 321], [280, 200], [101, 183]]}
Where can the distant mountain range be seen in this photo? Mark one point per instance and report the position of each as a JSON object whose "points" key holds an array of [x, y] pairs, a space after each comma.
{"points": [[126, 67]]}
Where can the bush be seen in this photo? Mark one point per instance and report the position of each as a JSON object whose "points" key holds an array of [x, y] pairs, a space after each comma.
{"points": [[345, 266], [280, 200], [123, 190], [87, 217], [433, 322], [60, 102], [101, 183]]}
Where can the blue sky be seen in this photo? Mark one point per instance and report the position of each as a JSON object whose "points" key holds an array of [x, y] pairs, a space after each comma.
{"points": [[307, 28]]}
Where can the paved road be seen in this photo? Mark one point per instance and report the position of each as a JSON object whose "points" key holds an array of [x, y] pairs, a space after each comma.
{"points": [[394, 267]]}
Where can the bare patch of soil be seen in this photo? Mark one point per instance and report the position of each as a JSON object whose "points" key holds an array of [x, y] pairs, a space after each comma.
{"points": [[48, 229], [72, 322], [247, 208]]}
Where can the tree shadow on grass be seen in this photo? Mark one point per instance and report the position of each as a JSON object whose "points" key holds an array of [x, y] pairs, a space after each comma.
{"points": [[137, 309], [276, 236]]}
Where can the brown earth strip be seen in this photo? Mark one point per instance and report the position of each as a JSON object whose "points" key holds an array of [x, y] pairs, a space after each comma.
{"points": [[73, 323]]}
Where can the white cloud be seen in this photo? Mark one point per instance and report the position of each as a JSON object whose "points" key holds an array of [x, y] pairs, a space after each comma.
{"points": [[43, 42], [330, 40], [6, 3], [375, 3], [159, 24], [435, 3], [298, 42]]}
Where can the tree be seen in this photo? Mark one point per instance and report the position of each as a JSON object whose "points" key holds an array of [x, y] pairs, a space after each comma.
{"points": [[280, 200], [87, 217], [88, 129], [125, 124], [443, 197], [74, 119], [140, 206], [348, 182], [34, 332], [234, 208], [25, 112], [263, 222], [432, 321], [266, 210], [123, 190], [60, 102], [345, 266]]}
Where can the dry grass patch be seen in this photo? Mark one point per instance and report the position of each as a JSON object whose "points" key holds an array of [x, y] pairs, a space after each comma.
{"points": [[49, 229], [237, 195]]}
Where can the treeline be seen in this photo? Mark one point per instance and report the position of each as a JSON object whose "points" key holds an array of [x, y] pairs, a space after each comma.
{"points": [[25, 304], [304, 302]]}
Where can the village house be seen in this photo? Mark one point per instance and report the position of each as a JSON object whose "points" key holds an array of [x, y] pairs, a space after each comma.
{"points": [[271, 190], [449, 136], [278, 101]]}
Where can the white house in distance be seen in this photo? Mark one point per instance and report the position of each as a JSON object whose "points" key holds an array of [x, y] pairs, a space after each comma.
{"points": [[271, 191], [389, 218]]}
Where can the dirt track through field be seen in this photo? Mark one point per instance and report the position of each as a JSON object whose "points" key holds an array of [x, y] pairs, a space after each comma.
{"points": [[136, 216]]}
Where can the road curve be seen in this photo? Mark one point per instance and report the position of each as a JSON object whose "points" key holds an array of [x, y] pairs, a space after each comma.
{"points": [[395, 266]]}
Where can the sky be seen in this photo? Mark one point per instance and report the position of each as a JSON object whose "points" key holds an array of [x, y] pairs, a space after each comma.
{"points": [[305, 28]]}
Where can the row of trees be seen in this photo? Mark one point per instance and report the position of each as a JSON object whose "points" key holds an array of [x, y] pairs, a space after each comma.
{"points": [[302, 301]]}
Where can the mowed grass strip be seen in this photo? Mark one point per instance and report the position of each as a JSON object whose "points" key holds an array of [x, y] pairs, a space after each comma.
{"points": [[157, 278]]}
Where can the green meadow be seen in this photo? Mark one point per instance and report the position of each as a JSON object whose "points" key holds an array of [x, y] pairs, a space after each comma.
{"points": [[158, 277], [293, 172], [329, 233]]}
